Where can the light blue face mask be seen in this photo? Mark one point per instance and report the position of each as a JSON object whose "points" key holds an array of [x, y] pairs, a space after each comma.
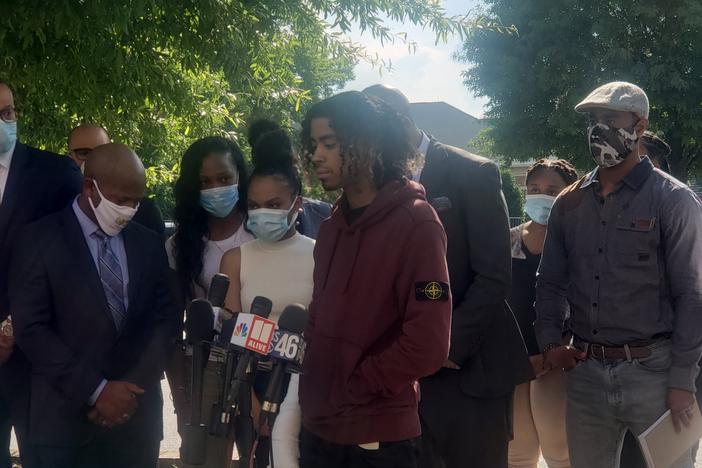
{"points": [[270, 225], [8, 135], [538, 207], [220, 201]]}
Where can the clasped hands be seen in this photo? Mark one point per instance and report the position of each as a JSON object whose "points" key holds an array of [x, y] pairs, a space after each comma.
{"points": [[116, 404]]}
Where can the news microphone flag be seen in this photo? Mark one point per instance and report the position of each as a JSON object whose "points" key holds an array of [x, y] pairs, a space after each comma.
{"points": [[288, 346], [253, 333]]}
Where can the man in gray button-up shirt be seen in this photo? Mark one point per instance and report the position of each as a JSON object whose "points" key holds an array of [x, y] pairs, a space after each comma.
{"points": [[624, 254]]}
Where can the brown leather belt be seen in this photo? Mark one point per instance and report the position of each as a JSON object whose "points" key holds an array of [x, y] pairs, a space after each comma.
{"points": [[614, 353]]}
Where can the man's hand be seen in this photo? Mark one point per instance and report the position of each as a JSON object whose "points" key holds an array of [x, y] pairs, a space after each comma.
{"points": [[116, 403], [6, 345], [680, 403], [563, 357], [537, 363]]}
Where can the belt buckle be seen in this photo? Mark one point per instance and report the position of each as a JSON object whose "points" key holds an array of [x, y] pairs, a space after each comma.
{"points": [[595, 348]]}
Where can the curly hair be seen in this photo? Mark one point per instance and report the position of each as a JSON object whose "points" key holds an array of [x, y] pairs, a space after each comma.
{"points": [[373, 138], [562, 167], [190, 217]]}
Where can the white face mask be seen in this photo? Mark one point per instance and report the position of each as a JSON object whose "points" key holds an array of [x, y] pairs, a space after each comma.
{"points": [[111, 217]]}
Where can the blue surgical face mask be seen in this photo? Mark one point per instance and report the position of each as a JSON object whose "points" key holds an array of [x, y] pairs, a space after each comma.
{"points": [[220, 201], [270, 225], [8, 135], [538, 207]]}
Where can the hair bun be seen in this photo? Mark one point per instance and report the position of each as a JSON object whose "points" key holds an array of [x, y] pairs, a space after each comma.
{"points": [[272, 147]]}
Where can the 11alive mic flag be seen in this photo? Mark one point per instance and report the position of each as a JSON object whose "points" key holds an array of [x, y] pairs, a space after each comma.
{"points": [[253, 332], [262, 336]]}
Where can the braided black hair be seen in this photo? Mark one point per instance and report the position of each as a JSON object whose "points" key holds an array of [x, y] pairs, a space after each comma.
{"points": [[562, 167]]}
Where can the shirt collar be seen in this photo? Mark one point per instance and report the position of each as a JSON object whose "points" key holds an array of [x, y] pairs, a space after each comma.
{"points": [[86, 224], [421, 160], [424, 146], [634, 179], [6, 158]]}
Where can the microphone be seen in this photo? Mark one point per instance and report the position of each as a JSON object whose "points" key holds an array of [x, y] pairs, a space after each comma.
{"points": [[253, 332], [216, 296], [218, 290], [219, 416], [198, 331], [198, 321], [287, 350]]}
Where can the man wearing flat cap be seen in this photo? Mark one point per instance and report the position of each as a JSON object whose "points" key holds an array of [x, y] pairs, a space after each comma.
{"points": [[622, 255]]}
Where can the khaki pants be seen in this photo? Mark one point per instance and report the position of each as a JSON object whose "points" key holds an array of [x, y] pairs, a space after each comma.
{"points": [[539, 423]]}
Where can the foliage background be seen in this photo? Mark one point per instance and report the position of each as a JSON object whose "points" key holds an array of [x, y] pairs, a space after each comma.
{"points": [[158, 74], [565, 49]]}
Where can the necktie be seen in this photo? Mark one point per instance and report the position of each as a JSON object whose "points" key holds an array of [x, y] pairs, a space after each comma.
{"points": [[111, 277]]}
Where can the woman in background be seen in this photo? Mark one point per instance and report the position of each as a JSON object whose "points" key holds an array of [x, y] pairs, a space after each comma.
{"points": [[210, 196], [539, 405]]}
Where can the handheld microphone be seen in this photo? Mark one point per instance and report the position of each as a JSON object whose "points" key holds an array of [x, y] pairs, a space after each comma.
{"points": [[198, 331], [218, 290], [287, 351], [219, 416], [216, 296], [253, 332]]}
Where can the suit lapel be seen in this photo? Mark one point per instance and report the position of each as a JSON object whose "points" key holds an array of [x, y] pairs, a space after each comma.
{"points": [[78, 248], [433, 176]]}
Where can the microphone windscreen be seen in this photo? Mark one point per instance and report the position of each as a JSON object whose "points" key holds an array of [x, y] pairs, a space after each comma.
{"points": [[261, 306], [293, 318], [218, 289], [225, 335], [198, 321]]}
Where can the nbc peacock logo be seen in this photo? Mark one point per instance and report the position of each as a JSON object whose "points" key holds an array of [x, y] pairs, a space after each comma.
{"points": [[241, 330]]}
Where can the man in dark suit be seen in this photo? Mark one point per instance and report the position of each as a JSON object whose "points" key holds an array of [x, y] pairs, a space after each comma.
{"points": [[466, 407], [97, 352], [33, 184], [81, 141]]}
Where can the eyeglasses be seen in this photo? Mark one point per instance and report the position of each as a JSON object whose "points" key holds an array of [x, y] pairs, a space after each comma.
{"points": [[8, 115], [80, 153]]}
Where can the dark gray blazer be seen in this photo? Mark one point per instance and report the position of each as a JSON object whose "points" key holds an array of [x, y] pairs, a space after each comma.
{"points": [[486, 343], [63, 325]]}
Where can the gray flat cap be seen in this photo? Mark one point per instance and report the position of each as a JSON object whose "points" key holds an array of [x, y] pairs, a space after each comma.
{"points": [[617, 96]]}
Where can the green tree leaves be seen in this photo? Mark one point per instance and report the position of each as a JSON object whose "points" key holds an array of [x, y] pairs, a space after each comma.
{"points": [[565, 49]]}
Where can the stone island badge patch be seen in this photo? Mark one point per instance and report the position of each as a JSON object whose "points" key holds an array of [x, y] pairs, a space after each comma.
{"points": [[431, 291]]}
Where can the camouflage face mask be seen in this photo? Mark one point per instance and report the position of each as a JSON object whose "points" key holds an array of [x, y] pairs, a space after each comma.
{"points": [[610, 146]]}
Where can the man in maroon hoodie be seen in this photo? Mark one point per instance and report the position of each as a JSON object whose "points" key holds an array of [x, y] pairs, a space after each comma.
{"points": [[380, 313]]}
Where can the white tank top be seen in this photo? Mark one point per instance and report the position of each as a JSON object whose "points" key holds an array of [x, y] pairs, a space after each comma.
{"points": [[211, 257], [281, 271]]}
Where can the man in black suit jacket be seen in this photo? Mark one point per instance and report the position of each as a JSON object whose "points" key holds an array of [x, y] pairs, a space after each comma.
{"points": [[81, 141], [33, 184], [97, 352], [466, 408]]}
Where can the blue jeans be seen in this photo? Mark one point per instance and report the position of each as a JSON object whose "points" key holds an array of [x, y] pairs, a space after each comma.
{"points": [[606, 398]]}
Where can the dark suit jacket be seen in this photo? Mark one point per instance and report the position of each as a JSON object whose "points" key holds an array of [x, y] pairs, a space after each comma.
{"points": [[313, 213], [64, 327], [39, 183], [148, 215], [486, 343]]}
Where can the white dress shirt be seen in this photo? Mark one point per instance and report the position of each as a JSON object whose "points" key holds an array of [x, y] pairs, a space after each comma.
{"points": [[117, 245], [5, 161], [421, 157]]}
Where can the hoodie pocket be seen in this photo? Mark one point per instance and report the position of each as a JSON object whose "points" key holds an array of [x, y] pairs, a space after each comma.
{"points": [[329, 376]]}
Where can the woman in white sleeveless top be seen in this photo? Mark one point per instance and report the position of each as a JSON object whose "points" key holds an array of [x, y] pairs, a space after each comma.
{"points": [[277, 265]]}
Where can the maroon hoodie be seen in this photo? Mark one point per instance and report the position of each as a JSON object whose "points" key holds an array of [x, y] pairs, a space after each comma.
{"points": [[379, 319]]}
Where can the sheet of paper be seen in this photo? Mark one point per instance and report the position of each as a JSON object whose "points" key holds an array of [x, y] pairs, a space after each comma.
{"points": [[662, 446]]}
